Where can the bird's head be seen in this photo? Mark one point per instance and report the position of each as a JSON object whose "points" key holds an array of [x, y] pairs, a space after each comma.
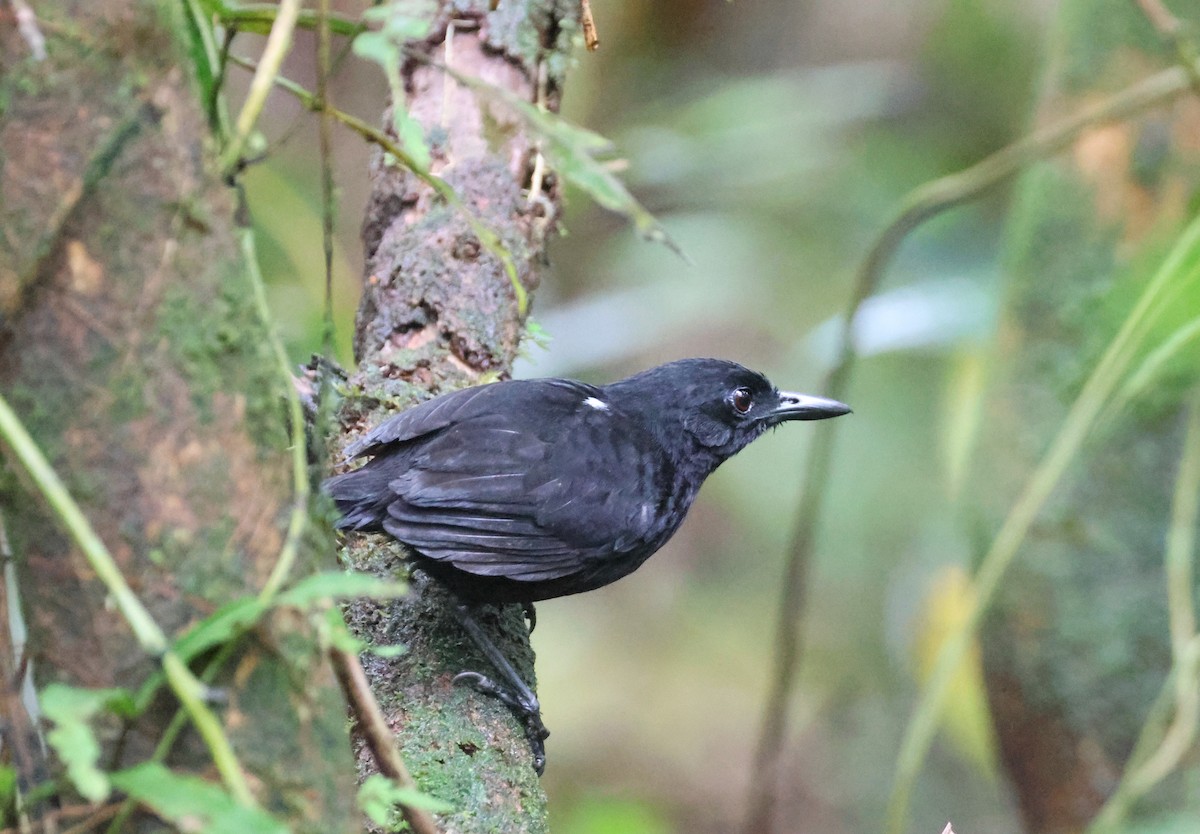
{"points": [[720, 405]]}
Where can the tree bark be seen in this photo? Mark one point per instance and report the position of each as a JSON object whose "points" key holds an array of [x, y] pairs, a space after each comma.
{"points": [[1076, 647], [131, 348], [439, 312]]}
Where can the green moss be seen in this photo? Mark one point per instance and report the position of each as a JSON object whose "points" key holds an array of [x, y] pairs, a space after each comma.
{"points": [[127, 386], [205, 564], [220, 346], [450, 768]]}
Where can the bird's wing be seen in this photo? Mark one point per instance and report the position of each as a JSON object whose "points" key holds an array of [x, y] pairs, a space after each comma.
{"points": [[429, 416], [529, 494]]}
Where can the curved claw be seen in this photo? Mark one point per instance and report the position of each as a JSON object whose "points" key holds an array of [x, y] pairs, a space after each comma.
{"points": [[527, 708], [539, 756], [536, 734], [530, 615], [481, 682]]}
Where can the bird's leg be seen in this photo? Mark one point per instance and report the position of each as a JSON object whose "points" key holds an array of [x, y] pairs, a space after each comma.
{"points": [[517, 696]]}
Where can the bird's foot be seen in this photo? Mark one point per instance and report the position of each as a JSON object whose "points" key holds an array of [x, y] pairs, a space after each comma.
{"points": [[524, 705], [530, 615]]}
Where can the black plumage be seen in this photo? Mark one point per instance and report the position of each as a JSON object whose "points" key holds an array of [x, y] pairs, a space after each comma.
{"points": [[530, 489]]}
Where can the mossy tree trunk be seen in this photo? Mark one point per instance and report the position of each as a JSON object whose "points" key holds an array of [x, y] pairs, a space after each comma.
{"points": [[1076, 647], [133, 352], [439, 312]]}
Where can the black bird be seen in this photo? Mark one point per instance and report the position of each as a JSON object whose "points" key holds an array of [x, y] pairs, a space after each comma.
{"points": [[531, 489]]}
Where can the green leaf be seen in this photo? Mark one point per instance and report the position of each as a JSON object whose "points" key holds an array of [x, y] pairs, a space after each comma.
{"points": [[384, 48], [403, 20], [334, 585], [219, 627], [192, 803], [411, 135], [400, 23], [1170, 331], [536, 335], [236, 616], [200, 41], [379, 796], [338, 635], [8, 788], [376, 47], [239, 615], [575, 153], [71, 709]]}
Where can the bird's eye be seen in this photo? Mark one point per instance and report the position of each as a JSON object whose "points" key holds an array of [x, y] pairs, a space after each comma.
{"points": [[741, 400]]}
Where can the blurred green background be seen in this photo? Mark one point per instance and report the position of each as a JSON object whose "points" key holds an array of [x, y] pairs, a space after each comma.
{"points": [[773, 139]]}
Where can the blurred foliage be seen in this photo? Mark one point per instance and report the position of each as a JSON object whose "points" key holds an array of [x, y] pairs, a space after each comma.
{"points": [[608, 815], [949, 599], [970, 48]]}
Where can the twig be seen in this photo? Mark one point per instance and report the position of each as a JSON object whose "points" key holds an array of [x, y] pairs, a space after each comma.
{"points": [[166, 741], [1173, 34], [325, 146], [279, 43], [298, 518], [591, 37], [18, 636], [27, 25], [52, 818], [764, 779], [1181, 542], [377, 735], [1160, 18], [919, 205], [1185, 645], [19, 707], [97, 816], [256, 17]]}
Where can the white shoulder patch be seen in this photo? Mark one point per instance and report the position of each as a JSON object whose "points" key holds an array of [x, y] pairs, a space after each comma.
{"points": [[596, 403]]}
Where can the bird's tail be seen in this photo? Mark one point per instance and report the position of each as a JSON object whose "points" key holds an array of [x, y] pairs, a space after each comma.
{"points": [[361, 498]]}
